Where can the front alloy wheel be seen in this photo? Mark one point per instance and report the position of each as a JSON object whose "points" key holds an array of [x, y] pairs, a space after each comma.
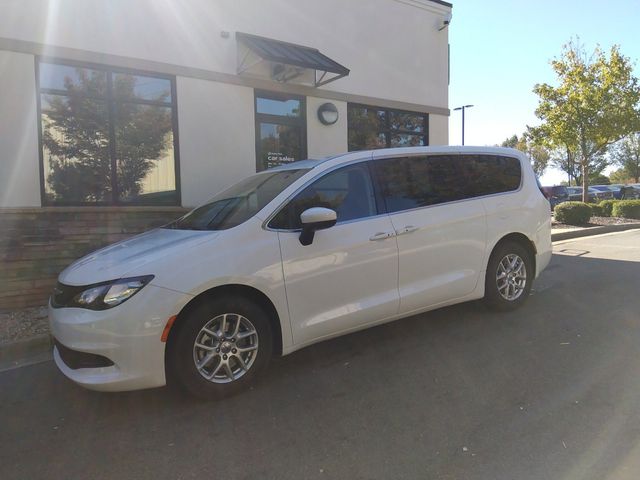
{"points": [[225, 348], [219, 347]]}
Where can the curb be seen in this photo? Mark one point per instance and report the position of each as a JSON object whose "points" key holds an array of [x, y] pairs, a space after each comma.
{"points": [[587, 232], [25, 352]]}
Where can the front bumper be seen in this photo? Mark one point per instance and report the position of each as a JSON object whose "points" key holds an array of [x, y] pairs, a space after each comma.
{"points": [[128, 335]]}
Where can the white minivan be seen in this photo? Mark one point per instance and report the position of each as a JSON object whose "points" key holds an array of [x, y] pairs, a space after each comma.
{"points": [[299, 254]]}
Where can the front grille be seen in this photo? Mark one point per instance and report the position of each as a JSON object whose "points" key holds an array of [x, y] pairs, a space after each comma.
{"points": [[63, 294], [75, 359]]}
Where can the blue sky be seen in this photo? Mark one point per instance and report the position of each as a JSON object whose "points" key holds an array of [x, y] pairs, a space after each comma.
{"points": [[501, 49]]}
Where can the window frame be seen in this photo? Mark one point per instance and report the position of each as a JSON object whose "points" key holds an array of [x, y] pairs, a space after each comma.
{"points": [[380, 208], [259, 118], [387, 130], [378, 180], [110, 102]]}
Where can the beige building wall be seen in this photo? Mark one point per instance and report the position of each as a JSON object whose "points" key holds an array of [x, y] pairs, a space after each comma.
{"points": [[19, 158], [324, 140], [438, 130], [397, 57], [216, 135], [393, 47]]}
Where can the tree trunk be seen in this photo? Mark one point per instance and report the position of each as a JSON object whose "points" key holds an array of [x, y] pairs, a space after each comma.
{"points": [[585, 183]]}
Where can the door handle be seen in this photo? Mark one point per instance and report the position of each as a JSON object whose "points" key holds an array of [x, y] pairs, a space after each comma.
{"points": [[381, 236], [406, 229]]}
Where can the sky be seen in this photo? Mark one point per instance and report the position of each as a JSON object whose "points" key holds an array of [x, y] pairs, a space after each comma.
{"points": [[500, 49]]}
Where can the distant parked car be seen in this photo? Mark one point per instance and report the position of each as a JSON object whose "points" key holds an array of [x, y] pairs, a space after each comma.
{"points": [[615, 190], [630, 192], [556, 194], [600, 194], [575, 194], [595, 195]]}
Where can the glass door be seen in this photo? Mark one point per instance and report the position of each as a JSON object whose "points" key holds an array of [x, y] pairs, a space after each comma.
{"points": [[281, 135]]}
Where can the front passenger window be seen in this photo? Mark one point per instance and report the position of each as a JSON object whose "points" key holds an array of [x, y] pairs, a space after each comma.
{"points": [[348, 191]]}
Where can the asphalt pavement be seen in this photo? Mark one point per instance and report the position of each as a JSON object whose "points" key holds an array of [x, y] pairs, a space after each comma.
{"points": [[551, 391]]}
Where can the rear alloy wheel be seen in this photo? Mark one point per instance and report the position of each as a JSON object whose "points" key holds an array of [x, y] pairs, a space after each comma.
{"points": [[220, 347], [509, 276]]}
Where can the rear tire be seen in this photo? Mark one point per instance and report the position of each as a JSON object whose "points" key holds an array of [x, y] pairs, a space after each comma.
{"points": [[509, 277], [220, 347]]}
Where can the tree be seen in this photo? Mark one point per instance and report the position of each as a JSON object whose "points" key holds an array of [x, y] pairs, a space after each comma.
{"points": [[537, 153], [626, 154], [599, 179], [596, 103], [620, 176]]}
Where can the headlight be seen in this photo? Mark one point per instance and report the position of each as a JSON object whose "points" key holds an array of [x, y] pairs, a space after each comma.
{"points": [[109, 294]]}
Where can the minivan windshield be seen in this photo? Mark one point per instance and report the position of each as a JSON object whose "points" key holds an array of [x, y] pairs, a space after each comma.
{"points": [[238, 203]]}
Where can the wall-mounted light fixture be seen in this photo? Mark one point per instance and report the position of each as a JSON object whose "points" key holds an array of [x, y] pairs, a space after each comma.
{"points": [[328, 113], [446, 21]]}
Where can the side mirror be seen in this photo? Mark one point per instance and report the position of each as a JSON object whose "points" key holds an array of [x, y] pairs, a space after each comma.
{"points": [[316, 218]]}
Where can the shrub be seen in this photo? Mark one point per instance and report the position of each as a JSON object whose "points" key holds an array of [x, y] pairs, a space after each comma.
{"points": [[596, 210], [573, 213], [627, 209], [607, 207]]}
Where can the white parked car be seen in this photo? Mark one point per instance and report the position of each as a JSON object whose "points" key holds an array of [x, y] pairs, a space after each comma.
{"points": [[299, 254]]}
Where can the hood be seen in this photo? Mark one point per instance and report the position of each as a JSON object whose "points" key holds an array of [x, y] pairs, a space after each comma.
{"points": [[117, 260]]}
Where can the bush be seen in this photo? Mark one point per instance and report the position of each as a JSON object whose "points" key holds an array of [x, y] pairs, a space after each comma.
{"points": [[607, 207], [573, 213], [596, 210], [627, 209]]}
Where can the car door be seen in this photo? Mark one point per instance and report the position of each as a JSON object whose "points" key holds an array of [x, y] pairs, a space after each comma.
{"points": [[440, 232], [348, 276]]}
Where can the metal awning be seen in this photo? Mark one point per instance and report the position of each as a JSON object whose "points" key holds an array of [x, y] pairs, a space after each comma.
{"points": [[285, 62]]}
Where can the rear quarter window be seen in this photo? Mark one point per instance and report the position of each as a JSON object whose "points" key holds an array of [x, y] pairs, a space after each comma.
{"points": [[493, 174]]}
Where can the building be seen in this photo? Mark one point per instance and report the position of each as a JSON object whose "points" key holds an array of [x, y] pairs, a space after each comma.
{"points": [[116, 115]]}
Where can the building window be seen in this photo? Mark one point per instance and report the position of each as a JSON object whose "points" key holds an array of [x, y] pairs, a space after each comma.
{"points": [[108, 136], [281, 134], [373, 127]]}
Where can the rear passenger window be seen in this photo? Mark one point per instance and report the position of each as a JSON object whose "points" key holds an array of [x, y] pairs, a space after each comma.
{"points": [[413, 182]]}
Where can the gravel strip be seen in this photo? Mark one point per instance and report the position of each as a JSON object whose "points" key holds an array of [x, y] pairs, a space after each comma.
{"points": [[22, 324]]}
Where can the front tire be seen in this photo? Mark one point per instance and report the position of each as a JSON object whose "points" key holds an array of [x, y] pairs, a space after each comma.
{"points": [[220, 347], [509, 277]]}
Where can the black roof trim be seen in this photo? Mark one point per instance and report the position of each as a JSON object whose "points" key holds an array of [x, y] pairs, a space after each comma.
{"points": [[291, 54], [446, 4]]}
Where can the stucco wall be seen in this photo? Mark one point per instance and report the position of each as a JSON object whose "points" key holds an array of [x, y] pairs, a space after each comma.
{"points": [[393, 47], [438, 130], [216, 136], [19, 160], [323, 140]]}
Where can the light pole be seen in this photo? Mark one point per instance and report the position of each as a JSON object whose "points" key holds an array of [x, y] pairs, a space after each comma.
{"points": [[463, 109]]}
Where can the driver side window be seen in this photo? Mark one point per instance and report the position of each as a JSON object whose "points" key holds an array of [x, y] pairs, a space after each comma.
{"points": [[347, 190]]}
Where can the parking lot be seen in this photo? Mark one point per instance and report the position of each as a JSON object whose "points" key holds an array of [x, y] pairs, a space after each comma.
{"points": [[551, 391]]}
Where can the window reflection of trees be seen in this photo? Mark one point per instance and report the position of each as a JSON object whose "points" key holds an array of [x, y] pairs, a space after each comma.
{"points": [[79, 142], [371, 128]]}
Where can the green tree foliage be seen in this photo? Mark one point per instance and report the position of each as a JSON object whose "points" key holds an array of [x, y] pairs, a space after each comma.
{"points": [[76, 136], [538, 153], [626, 154], [596, 103], [620, 176], [599, 179]]}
